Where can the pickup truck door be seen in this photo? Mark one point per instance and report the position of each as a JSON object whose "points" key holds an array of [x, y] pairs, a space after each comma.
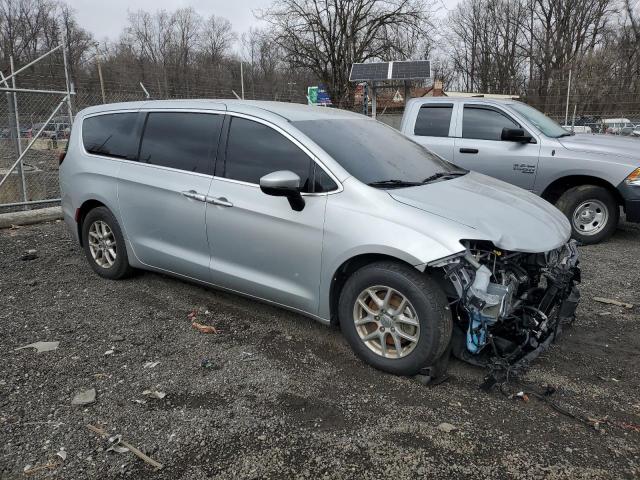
{"points": [[434, 128], [480, 148]]}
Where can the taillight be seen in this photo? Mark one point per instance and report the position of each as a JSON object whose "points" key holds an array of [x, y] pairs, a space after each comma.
{"points": [[61, 156]]}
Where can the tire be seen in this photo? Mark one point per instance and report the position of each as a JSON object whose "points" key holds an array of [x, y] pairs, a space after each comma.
{"points": [[592, 211], [425, 300], [102, 262]]}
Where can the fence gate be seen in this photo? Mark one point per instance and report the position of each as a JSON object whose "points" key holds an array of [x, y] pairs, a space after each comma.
{"points": [[35, 122]]}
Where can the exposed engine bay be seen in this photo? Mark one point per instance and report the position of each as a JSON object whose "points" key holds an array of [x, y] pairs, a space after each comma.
{"points": [[509, 306]]}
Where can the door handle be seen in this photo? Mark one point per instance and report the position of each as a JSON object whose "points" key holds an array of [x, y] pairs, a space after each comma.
{"points": [[220, 201], [195, 195], [468, 150]]}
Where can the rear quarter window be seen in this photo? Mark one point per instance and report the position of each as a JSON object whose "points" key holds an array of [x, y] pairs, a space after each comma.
{"points": [[111, 135]]}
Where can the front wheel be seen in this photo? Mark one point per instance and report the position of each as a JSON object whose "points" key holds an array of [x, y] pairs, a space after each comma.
{"points": [[593, 212], [395, 318]]}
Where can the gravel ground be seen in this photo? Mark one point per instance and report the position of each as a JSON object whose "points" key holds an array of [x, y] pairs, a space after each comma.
{"points": [[282, 396]]}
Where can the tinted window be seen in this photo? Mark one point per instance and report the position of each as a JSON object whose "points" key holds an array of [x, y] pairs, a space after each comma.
{"points": [[484, 123], [373, 152], [433, 120], [112, 135], [255, 150], [322, 181], [181, 140]]}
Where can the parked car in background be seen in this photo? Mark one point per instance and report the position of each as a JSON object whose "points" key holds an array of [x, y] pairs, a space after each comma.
{"points": [[616, 126], [57, 131], [577, 128], [588, 177], [327, 213]]}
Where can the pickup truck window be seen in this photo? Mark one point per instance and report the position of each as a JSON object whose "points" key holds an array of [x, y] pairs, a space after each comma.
{"points": [[434, 120], [547, 126], [484, 123], [373, 152]]}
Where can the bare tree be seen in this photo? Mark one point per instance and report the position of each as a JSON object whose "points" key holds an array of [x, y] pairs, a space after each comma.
{"points": [[632, 8], [328, 36], [217, 38]]}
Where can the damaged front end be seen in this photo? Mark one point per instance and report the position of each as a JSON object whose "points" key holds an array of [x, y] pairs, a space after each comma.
{"points": [[509, 306]]}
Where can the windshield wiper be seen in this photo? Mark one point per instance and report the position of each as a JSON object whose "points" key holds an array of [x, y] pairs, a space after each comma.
{"points": [[394, 182], [439, 175], [568, 134]]}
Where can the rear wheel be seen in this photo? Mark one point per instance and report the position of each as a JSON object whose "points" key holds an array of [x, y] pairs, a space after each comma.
{"points": [[104, 244], [395, 318], [593, 212]]}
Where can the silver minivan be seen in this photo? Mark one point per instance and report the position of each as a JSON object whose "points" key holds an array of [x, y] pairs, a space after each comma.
{"points": [[327, 213]]}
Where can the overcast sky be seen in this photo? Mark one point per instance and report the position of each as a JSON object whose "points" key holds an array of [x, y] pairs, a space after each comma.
{"points": [[106, 18]]}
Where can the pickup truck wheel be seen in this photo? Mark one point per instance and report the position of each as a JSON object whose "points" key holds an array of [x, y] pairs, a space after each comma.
{"points": [[592, 211], [395, 318]]}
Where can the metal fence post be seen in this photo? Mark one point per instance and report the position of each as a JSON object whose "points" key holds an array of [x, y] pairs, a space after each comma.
{"points": [[16, 124], [66, 77]]}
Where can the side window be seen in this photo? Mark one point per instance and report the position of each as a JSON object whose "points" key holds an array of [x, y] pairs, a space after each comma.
{"points": [[254, 150], [485, 123], [322, 181], [182, 140], [434, 120], [111, 135]]}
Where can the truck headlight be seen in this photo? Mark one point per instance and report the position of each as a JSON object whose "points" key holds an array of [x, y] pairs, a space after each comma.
{"points": [[633, 178]]}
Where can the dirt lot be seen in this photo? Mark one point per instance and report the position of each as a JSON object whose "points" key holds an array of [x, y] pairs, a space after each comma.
{"points": [[281, 396]]}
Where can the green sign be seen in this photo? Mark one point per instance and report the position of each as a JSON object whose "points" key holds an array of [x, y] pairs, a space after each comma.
{"points": [[312, 95]]}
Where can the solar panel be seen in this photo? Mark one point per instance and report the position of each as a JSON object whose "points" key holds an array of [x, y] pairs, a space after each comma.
{"points": [[369, 71], [405, 70], [411, 70]]}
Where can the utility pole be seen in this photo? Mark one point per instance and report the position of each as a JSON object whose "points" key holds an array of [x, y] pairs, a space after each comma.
{"points": [[104, 100], [566, 112], [241, 81]]}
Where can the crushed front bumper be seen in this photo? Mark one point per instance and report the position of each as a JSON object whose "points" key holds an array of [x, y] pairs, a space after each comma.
{"points": [[511, 320]]}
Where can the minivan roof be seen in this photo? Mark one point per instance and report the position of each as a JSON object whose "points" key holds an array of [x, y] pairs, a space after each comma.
{"points": [[289, 111]]}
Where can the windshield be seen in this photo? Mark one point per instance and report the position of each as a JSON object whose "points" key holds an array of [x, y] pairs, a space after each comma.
{"points": [[549, 127], [375, 153]]}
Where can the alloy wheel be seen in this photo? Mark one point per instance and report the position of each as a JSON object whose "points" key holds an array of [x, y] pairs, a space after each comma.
{"points": [[102, 244], [386, 322]]}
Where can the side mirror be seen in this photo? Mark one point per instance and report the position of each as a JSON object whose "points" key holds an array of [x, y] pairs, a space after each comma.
{"points": [[283, 183], [515, 135]]}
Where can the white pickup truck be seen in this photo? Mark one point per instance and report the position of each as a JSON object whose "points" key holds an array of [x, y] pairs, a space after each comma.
{"points": [[588, 177]]}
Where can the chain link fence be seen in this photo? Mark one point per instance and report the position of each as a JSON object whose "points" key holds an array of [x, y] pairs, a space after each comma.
{"points": [[39, 166]]}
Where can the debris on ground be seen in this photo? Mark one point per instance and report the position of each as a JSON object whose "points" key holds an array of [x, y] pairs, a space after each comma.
{"points": [[611, 301], [111, 351], [50, 465], [204, 328], [84, 397], [207, 363], [42, 346], [62, 453], [116, 446], [447, 427], [30, 255], [121, 444], [154, 394], [150, 364], [521, 396], [248, 357]]}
